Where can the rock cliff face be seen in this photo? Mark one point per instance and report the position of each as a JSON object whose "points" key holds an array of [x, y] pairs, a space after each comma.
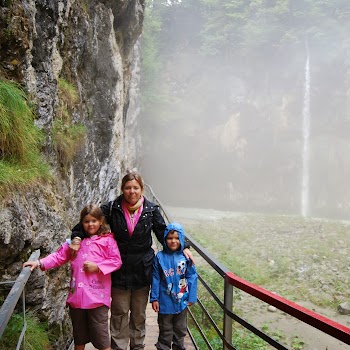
{"points": [[91, 44]]}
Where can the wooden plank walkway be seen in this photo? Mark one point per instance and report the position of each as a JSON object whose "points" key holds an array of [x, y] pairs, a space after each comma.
{"points": [[151, 332]]}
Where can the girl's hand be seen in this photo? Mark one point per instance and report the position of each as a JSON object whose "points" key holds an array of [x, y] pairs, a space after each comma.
{"points": [[188, 255], [33, 265], [90, 266]]}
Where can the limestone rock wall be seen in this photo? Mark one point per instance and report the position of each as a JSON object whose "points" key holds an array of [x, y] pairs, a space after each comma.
{"points": [[91, 44]]}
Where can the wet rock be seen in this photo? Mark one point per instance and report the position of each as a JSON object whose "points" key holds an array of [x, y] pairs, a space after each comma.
{"points": [[344, 308], [272, 308]]}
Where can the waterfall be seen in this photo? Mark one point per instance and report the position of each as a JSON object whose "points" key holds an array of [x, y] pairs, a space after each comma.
{"points": [[306, 139]]}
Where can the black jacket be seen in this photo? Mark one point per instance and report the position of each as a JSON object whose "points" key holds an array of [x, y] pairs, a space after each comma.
{"points": [[136, 251]]}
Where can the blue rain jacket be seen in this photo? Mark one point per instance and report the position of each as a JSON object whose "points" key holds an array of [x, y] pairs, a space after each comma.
{"points": [[174, 281]]}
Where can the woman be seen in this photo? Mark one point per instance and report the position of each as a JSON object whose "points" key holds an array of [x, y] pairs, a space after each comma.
{"points": [[132, 218]]}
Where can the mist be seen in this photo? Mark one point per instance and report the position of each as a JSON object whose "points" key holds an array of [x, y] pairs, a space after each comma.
{"points": [[247, 108]]}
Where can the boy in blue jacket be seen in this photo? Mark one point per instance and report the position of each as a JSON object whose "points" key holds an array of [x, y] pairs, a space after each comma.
{"points": [[174, 287]]}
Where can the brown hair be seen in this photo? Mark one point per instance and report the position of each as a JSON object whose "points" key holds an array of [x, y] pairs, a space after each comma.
{"points": [[133, 175], [95, 211]]}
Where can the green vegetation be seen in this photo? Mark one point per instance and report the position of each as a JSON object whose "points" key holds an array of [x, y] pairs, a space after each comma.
{"points": [[297, 343], [242, 339], [21, 162], [20, 140], [19, 137], [155, 97], [207, 63], [36, 334], [305, 261], [229, 32], [84, 5], [67, 135]]}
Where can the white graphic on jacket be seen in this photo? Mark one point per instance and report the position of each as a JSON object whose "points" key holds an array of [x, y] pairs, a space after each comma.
{"points": [[181, 267], [182, 285]]}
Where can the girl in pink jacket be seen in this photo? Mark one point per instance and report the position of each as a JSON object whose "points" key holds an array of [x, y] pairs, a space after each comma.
{"points": [[89, 295]]}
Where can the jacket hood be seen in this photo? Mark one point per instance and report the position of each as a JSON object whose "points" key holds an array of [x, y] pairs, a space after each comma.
{"points": [[174, 226]]}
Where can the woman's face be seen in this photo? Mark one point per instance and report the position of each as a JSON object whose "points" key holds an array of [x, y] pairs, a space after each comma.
{"points": [[132, 191]]}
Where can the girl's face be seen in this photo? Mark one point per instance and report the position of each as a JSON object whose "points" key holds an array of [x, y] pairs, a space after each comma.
{"points": [[132, 191], [91, 224]]}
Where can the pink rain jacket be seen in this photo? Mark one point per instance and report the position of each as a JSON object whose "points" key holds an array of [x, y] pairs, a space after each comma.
{"points": [[88, 290]]}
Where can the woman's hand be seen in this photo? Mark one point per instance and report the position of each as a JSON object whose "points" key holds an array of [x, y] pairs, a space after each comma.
{"points": [[90, 266], [188, 255], [74, 247]]}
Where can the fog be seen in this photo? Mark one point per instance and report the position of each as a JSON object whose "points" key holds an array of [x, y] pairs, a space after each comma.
{"points": [[248, 113]]}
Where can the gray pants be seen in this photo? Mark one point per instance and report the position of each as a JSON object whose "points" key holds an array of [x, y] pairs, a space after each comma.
{"points": [[172, 331], [124, 328]]}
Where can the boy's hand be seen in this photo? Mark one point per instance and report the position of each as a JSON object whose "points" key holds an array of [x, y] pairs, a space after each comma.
{"points": [[189, 303], [155, 306], [188, 255]]}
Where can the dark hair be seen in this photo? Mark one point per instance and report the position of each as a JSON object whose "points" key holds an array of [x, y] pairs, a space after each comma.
{"points": [[133, 175], [95, 211]]}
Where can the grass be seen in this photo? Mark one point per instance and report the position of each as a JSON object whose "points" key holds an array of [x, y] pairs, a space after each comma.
{"points": [[67, 135], [36, 337], [21, 162], [305, 261], [268, 252], [19, 136], [67, 140], [68, 94], [17, 174]]}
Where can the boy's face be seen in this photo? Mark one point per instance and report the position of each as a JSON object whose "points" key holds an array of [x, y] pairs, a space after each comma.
{"points": [[173, 241]]}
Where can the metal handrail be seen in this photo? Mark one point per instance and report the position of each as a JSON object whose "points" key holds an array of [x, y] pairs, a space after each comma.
{"points": [[12, 298], [318, 321], [151, 195]]}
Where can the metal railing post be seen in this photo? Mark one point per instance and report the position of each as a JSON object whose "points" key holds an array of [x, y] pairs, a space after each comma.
{"points": [[22, 337], [10, 302], [228, 302]]}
